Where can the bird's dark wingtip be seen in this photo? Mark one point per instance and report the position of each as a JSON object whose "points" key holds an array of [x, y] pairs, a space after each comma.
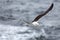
{"points": [[52, 4], [50, 7]]}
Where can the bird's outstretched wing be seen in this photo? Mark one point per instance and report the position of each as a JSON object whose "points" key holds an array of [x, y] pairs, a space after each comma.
{"points": [[41, 15]]}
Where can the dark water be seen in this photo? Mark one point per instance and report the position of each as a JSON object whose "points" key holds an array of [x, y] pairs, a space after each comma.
{"points": [[15, 13]]}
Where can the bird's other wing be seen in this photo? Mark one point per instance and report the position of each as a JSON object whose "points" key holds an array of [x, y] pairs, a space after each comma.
{"points": [[41, 15]]}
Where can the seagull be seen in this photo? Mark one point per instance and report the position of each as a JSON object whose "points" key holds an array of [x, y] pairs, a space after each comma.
{"points": [[35, 21]]}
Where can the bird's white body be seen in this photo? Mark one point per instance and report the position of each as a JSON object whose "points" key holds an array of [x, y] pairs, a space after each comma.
{"points": [[35, 23]]}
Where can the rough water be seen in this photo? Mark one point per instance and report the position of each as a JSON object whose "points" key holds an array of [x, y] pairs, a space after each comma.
{"points": [[15, 13]]}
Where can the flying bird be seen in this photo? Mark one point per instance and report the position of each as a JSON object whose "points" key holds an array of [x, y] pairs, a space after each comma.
{"points": [[35, 21]]}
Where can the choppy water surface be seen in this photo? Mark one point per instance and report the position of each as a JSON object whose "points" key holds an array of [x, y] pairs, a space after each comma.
{"points": [[14, 13]]}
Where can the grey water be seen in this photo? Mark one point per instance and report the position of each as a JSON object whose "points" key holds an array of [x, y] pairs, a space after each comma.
{"points": [[15, 13]]}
